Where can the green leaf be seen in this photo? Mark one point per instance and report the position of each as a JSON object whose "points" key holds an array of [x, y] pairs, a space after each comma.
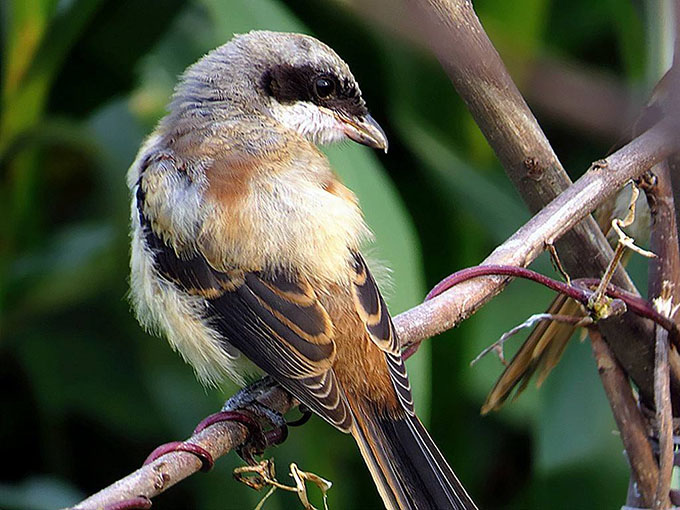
{"points": [[498, 212], [240, 17]]}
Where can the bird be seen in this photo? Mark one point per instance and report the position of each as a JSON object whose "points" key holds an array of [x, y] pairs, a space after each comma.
{"points": [[246, 251]]}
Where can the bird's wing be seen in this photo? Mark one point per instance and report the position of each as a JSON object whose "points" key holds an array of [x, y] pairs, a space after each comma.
{"points": [[275, 320], [373, 312]]}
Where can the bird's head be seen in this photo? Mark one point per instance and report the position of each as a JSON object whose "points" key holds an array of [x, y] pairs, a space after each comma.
{"points": [[293, 78]]}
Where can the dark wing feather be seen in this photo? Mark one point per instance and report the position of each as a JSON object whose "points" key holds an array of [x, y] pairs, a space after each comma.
{"points": [[274, 320], [300, 366], [372, 310]]}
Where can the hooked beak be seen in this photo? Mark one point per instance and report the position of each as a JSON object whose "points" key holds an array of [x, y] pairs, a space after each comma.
{"points": [[365, 131]]}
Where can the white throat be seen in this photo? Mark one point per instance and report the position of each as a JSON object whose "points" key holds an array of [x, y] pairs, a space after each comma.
{"points": [[316, 124]]}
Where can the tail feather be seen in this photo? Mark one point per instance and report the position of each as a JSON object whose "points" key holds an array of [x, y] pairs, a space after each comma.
{"points": [[407, 467]]}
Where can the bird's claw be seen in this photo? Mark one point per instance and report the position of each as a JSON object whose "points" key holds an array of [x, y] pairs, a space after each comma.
{"points": [[242, 408], [306, 415], [247, 410], [258, 440]]}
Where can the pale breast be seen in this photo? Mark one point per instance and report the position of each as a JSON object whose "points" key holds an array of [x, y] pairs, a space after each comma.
{"points": [[285, 214]]}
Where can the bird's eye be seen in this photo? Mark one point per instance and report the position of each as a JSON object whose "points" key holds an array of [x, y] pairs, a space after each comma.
{"points": [[324, 87]]}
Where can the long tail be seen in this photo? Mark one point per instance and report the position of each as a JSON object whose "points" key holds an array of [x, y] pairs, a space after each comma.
{"points": [[407, 467]]}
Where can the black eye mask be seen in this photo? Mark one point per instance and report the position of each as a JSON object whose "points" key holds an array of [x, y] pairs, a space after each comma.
{"points": [[288, 84]]}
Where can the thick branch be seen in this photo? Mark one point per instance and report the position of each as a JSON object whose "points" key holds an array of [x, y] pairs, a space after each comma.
{"points": [[458, 40], [628, 418], [604, 179]]}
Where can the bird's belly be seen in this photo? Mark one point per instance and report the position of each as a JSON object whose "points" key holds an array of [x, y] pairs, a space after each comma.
{"points": [[162, 307]]}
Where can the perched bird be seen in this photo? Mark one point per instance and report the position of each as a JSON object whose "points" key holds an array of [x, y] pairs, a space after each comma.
{"points": [[245, 251]]}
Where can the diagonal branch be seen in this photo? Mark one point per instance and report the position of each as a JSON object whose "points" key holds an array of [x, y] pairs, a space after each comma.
{"points": [[604, 179], [628, 418], [459, 41]]}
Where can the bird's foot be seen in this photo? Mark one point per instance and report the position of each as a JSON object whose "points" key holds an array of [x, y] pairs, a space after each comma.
{"points": [[245, 403], [249, 395], [245, 409]]}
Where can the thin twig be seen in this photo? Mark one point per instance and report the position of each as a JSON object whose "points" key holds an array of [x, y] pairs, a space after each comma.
{"points": [[578, 291], [597, 299], [555, 259], [664, 420], [263, 474], [538, 317]]}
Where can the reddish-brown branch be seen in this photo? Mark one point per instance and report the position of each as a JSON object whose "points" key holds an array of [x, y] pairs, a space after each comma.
{"points": [[578, 290]]}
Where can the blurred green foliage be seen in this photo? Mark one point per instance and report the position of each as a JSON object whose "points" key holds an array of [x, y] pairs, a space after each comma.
{"points": [[85, 394]]}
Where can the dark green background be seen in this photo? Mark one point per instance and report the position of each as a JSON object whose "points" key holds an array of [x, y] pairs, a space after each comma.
{"points": [[85, 394]]}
